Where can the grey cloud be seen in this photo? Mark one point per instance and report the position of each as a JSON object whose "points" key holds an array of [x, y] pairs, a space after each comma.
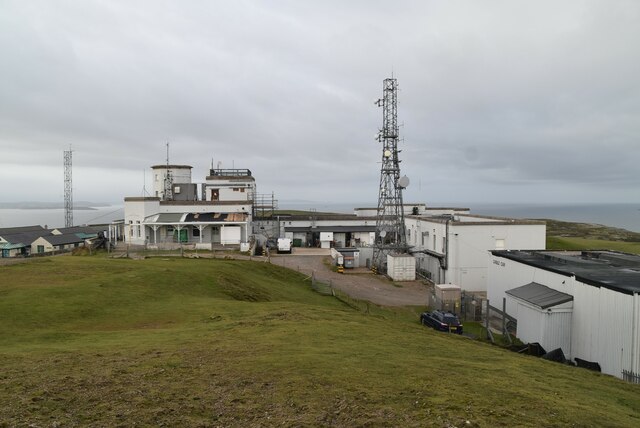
{"points": [[494, 95]]}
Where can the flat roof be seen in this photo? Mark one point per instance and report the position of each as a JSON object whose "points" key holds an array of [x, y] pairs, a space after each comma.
{"points": [[336, 229], [608, 269], [322, 217], [171, 167], [540, 295], [468, 220]]}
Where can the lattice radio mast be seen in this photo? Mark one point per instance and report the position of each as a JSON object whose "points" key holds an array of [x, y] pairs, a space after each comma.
{"points": [[168, 180], [390, 229], [68, 189]]}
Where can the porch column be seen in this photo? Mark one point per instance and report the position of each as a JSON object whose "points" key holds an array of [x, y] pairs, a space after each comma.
{"points": [[178, 228], [155, 234], [201, 228], [221, 233]]}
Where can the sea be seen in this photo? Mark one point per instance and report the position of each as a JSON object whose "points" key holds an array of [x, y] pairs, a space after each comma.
{"points": [[53, 218], [622, 215]]}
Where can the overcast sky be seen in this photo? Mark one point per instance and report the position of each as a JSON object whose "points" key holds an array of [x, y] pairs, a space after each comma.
{"points": [[500, 101]]}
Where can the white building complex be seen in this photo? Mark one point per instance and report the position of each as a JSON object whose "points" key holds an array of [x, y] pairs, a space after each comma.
{"points": [[218, 211], [452, 246], [585, 303]]}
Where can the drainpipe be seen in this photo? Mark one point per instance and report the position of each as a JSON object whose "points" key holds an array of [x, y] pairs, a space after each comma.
{"points": [[445, 267], [634, 335]]}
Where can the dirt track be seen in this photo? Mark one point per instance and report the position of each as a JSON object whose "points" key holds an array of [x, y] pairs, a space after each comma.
{"points": [[358, 283]]}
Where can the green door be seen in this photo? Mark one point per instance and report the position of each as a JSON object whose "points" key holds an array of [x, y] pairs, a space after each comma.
{"points": [[183, 236]]}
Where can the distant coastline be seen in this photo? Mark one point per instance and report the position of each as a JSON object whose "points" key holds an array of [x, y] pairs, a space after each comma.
{"points": [[29, 205], [621, 215]]}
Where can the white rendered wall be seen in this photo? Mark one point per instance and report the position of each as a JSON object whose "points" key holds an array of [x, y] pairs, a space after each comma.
{"points": [[178, 175], [134, 214], [468, 246]]}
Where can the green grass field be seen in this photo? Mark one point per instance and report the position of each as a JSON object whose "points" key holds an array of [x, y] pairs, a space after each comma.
{"points": [[91, 341], [571, 243]]}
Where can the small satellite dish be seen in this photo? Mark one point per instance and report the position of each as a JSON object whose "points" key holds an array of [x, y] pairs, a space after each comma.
{"points": [[403, 182], [387, 153], [383, 233]]}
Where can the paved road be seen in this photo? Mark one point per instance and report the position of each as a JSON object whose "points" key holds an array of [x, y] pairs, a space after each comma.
{"points": [[361, 284]]}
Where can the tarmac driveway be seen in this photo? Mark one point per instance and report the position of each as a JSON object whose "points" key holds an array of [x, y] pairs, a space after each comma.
{"points": [[358, 283]]}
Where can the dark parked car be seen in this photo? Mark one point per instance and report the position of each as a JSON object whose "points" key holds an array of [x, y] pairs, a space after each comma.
{"points": [[442, 321]]}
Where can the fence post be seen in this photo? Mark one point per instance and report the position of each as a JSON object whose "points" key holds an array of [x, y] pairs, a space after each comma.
{"points": [[486, 319], [504, 315]]}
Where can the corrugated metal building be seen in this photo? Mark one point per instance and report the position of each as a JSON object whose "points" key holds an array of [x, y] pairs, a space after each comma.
{"points": [[604, 318]]}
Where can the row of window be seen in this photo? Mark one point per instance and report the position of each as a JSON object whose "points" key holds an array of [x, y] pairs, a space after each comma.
{"points": [[499, 243]]}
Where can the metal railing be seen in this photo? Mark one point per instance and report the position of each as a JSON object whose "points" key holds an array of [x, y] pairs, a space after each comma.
{"points": [[630, 376]]}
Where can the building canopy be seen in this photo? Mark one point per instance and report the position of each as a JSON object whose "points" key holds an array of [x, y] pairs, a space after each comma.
{"points": [[195, 218]]}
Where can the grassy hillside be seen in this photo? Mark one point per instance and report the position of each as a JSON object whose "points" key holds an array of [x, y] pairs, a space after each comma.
{"points": [[560, 243], [562, 235], [192, 342]]}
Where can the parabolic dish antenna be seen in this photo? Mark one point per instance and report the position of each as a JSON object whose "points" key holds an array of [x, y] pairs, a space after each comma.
{"points": [[403, 182]]}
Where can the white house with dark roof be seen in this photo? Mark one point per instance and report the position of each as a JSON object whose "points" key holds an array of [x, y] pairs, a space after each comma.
{"points": [[218, 211], [53, 243], [586, 303], [16, 241]]}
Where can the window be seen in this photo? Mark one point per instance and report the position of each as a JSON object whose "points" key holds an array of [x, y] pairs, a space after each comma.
{"points": [[40, 248], [196, 232], [434, 242]]}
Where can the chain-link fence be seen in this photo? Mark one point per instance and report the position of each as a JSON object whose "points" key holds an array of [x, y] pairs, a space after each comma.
{"points": [[325, 287]]}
